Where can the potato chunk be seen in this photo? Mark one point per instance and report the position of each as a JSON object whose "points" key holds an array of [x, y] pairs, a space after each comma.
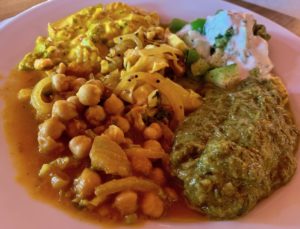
{"points": [[108, 156]]}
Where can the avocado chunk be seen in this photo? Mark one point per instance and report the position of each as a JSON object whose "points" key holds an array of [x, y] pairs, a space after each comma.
{"points": [[200, 67], [224, 77]]}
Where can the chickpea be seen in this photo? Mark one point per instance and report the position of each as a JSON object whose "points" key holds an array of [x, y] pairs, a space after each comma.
{"points": [[59, 181], [153, 145], [141, 164], [68, 94], [98, 83], [99, 130], [86, 183], [153, 131], [61, 69], [114, 105], [115, 133], [24, 94], [135, 117], [89, 94], [121, 122], [128, 141], [80, 146], [118, 61], [64, 110], [152, 205], [60, 82], [41, 64], [49, 145], [140, 95], [158, 176], [150, 35], [74, 99], [104, 66], [153, 32], [76, 83], [51, 127], [95, 115], [105, 211], [130, 219], [126, 202], [90, 133], [171, 194], [76, 127]]}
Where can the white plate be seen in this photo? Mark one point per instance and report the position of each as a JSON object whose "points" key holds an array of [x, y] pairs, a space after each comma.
{"points": [[18, 210]]}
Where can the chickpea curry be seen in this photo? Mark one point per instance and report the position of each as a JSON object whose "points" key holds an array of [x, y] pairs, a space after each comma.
{"points": [[109, 90], [105, 111]]}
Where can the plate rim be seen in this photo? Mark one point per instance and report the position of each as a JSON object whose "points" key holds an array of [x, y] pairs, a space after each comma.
{"points": [[37, 7]]}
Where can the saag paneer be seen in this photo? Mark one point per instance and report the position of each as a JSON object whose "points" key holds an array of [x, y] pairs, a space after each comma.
{"points": [[237, 148]]}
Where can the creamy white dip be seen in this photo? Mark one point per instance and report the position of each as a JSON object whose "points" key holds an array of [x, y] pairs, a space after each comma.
{"points": [[243, 48]]}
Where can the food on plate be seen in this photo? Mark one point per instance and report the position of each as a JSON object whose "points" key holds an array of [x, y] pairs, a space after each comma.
{"points": [[121, 108], [228, 38], [106, 110], [237, 148]]}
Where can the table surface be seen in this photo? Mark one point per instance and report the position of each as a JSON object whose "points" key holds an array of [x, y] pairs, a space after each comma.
{"points": [[13, 7]]}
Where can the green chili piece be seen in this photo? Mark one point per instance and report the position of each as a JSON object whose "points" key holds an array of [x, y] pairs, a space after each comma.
{"points": [[198, 25], [191, 56], [177, 24]]}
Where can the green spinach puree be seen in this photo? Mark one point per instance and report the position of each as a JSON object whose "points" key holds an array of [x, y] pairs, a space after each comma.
{"points": [[237, 148]]}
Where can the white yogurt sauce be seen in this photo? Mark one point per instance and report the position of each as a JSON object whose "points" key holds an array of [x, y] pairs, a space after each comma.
{"points": [[217, 25], [243, 48]]}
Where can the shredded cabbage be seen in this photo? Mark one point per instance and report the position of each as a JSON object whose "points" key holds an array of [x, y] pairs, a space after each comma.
{"points": [[148, 153], [178, 97], [129, 183]]}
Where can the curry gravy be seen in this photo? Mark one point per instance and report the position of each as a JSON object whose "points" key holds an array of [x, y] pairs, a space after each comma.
{"points": [[21, 133]]}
